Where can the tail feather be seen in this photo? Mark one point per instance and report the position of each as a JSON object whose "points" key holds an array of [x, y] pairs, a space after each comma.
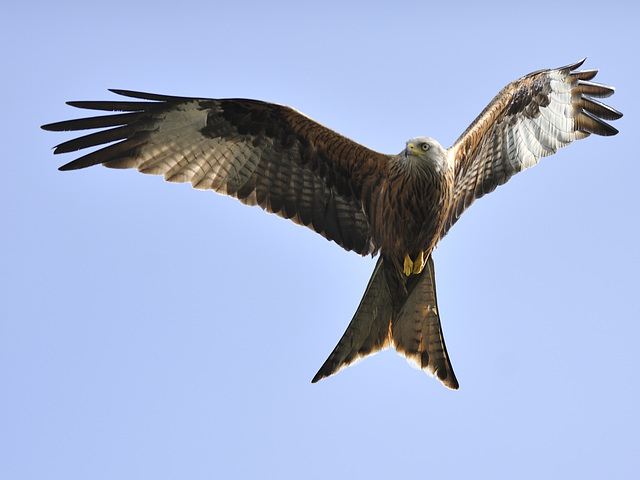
{"points": [[368, 331], [416, 331]]}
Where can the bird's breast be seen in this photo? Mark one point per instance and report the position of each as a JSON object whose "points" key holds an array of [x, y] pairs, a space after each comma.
{"points": [[407, 213]]}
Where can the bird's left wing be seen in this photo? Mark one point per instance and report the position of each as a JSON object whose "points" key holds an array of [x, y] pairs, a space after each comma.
{"points": [[260, 153], [530, 118]]}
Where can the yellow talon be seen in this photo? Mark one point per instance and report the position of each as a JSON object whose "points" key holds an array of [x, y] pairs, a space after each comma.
{"points": [[413, 267], [418, 265], [408, 265]]}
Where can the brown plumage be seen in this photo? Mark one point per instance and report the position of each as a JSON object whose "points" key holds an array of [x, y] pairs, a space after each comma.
{"points": [[397, 205]]}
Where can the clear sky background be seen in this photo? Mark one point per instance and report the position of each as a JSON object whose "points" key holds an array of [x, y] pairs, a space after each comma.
{"points": [[151, 331]]}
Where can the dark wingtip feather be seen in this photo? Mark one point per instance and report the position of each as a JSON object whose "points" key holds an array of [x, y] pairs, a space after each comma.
{"points": [[89, 123], [589, 123], [594, 89], [95, 139], [573, 66], [111, 106], [52, 127], [77, 164], [147, 96], [116, 151], [68, 166], [599, 109]]}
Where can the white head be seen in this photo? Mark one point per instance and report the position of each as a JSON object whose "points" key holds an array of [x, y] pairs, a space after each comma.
{"points": [[425, 151]]}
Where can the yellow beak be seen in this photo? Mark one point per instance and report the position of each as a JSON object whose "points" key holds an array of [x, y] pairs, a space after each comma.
{"points": [[412, 148]]}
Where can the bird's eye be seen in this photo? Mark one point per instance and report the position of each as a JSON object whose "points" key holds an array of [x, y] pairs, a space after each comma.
{"points": [[424, 147]]}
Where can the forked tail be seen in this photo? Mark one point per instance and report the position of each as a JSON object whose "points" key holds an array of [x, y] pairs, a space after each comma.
{"points": [[414, 329]]}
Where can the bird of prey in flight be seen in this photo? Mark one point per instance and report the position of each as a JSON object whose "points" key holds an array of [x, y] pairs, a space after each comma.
{"points": [[397, 206]]}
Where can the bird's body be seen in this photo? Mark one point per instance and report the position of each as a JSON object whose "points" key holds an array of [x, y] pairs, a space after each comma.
{"points": [[418, 189], [399, 206]]}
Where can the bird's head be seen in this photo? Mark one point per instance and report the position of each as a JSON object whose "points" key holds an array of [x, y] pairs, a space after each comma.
{"points": [[425, 151]]}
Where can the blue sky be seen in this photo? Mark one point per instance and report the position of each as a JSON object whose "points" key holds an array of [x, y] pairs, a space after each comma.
{"points": [[148, 330]]}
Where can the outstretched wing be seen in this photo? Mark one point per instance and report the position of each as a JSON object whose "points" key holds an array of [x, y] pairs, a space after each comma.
{"points": [[261, 153], [530, 118]]}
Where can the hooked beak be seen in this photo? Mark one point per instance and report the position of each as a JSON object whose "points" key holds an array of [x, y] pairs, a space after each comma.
{"points": [[412, 150]]}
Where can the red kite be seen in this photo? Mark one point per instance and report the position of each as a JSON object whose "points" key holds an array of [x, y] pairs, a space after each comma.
{"points": [[399, 206]]}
